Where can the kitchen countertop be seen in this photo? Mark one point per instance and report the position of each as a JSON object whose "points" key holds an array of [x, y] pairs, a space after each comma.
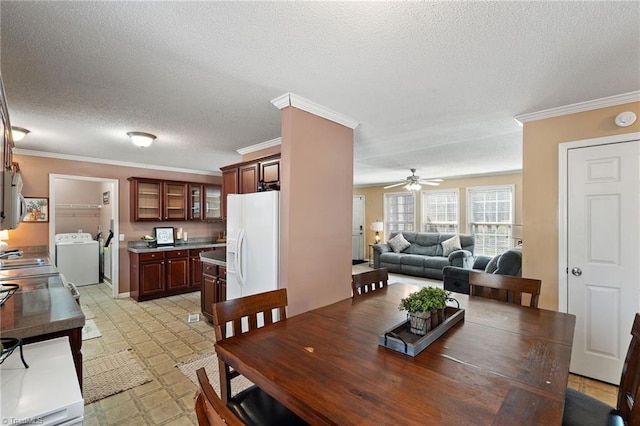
{"points": [[217, 257], [181, 246], [42, 305]]}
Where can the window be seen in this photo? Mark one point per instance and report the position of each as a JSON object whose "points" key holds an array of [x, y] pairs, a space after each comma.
{"points": [[490, 216], [399, 212], [440, 211]]}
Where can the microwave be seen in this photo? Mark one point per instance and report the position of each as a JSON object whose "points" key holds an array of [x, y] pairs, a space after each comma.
{"points": [[15, 206]]}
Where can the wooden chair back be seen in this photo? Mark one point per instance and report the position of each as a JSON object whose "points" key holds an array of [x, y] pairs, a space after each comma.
{"points": [[505, 288], [366, 282], [210, 410], [249, 308], [629, 391]]}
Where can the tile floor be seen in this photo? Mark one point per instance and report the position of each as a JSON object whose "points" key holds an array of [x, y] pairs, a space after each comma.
{"points": [[158, 333]]}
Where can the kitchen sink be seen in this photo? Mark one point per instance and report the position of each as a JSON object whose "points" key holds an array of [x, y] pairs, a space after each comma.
{"points": [[23, 263]]}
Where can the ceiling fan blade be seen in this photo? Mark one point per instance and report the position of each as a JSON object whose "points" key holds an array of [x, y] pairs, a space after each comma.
{"points": [[397, 184], [429, 182]]}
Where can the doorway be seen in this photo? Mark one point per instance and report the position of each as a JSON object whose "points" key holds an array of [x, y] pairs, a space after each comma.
{"points": [[100, 208], [599, 248], [357, 231]]}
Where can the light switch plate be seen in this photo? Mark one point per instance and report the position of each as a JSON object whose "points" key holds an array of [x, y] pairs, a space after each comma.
{"points": [[121, 237]]}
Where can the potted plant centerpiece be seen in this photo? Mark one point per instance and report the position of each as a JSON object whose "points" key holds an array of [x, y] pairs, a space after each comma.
{"points": [[425, 309]]}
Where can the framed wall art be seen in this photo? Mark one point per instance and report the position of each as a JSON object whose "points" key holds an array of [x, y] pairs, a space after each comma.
{"points": [[37, 210]]}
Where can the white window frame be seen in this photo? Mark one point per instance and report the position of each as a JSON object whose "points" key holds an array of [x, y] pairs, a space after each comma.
{"points": [[386, 216], [424, 196], [470, 222]]}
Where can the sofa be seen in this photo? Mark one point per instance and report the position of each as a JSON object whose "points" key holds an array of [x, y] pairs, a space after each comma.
{"points": [[425, 254], [507, 263]]}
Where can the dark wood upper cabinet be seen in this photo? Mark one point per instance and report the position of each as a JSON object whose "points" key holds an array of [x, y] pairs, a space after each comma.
{"points": [[156, 200], [248, 175], [244, 178], [270, 172]]}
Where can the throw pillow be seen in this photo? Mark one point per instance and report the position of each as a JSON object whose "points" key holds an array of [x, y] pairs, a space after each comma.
{"points": [[492, 266], [398, 243], [451, 245]]}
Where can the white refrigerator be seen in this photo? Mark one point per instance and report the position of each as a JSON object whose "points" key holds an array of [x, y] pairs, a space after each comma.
{"points": [[253, 230]]}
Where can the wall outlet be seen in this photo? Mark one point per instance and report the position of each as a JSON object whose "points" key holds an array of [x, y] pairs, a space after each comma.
{"points": [[121, 237]]}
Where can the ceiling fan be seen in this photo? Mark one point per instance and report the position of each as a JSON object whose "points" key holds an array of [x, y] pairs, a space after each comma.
{"points": [[414, 183]]}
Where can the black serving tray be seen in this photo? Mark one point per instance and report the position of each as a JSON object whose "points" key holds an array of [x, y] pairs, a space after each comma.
{"points": [[400, 339]]}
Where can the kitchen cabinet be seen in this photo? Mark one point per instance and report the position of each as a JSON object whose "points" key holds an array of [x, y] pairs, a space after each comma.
{"points": [[251, 176], [195, 202], [214, 288], [146, 198], [204, 202], [195, 267], [155, 200], [177, 270], [212, 207], [175, 200], [147, 275], [161, 273]]}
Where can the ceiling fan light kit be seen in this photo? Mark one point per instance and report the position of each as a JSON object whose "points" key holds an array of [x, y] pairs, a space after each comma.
{"points": [[414, 183]]}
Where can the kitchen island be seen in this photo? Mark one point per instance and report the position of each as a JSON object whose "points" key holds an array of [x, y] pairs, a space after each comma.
{"points": [[43, 308], [214, 281]]}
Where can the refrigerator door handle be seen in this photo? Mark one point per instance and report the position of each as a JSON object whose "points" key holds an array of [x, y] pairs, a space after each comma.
{"points": [[239, 272]]}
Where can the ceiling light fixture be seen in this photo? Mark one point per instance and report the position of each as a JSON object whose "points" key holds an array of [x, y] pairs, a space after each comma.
{"points": [[141, 139], [18, 133]]}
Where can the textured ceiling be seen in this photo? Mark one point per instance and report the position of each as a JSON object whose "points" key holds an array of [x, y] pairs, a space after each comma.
{"points": [[434, 85]]}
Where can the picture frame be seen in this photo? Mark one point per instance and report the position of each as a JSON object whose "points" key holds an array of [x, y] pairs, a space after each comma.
{"points": [[105, 197], [164, 235], [37, 210]]}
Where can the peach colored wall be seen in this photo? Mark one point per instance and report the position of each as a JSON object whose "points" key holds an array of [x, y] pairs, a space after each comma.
{"points": [[77, 192], [35, 173], [540, 182], [374, 198], [316, 210]]}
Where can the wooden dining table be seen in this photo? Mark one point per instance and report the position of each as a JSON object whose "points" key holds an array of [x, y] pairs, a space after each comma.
{"points": [[503, 364]]}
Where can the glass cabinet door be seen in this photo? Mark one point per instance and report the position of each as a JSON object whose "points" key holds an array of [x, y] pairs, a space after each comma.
{"points": [[148, 200], [212, 210], [175, 207], [195, 202]]}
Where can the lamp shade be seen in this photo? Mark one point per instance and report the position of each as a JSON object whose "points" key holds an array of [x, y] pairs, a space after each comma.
{"points": [[18, 133], [141, 139], [377, 226]]}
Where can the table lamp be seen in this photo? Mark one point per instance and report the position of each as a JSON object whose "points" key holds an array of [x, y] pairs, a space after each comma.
{"points": [[377, 226], [516, 234]]}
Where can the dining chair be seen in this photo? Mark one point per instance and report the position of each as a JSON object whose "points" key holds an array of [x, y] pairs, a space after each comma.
{"points": [[253, 406], [504, 288], [210, 410], [584, 410], [369, 281]]}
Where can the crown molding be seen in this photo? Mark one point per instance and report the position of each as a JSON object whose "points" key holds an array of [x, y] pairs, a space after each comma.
{"points": [[259, 146], [290, 99], [624, 98], [112, 162]]}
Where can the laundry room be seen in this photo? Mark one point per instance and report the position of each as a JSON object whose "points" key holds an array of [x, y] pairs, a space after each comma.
{"points": [[83, 225]]}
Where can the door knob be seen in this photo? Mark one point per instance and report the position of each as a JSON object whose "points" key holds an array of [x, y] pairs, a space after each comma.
{"points": [[576, 271]]}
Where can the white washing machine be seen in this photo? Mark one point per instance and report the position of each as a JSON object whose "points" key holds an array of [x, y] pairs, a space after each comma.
{"points": [[77, 258]]}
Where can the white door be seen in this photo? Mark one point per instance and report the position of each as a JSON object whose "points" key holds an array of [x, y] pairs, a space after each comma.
{"points": [[603, 252], [357, 232]]}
